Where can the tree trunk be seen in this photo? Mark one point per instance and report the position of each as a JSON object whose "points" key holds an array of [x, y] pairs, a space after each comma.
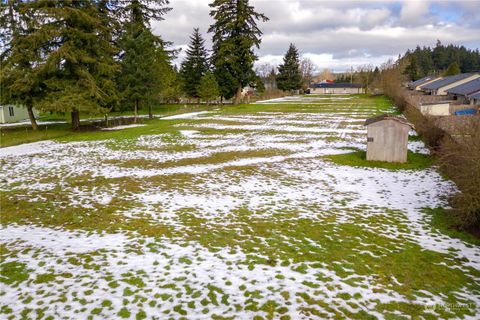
{"points": [[135, 112], [150, 112], [75, 119], [32, 117], [238, 95]]}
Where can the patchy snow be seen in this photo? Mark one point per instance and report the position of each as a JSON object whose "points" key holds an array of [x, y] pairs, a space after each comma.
{"points": [[123, 127], [185, 115], [28, 149], [168, 178], [28, 123], [195, 270]]}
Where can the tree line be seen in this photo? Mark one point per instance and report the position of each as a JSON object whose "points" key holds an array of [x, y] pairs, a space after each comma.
{"points": [[98, 56], [440, 60]]}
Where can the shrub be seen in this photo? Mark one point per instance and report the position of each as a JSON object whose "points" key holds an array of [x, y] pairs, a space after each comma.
{"points": [[459, 158]]}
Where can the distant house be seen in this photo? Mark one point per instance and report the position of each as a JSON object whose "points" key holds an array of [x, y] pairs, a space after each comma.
{"points": [[416, 85], [335, 88], [387, 138], [12, 113], [462, 91], [439, 87]]}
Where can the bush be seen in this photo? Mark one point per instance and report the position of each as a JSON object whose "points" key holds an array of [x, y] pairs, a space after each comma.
{"points": [[425, 127], [460, 160]]}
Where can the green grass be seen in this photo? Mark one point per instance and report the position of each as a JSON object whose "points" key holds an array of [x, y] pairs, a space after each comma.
{"points": [[443, 221], [13, 272], [415, 161], [280, 235], [10, 136]]}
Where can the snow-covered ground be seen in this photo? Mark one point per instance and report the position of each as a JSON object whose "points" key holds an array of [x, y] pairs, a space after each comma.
{"points": [[189, 182], [128, 126]]}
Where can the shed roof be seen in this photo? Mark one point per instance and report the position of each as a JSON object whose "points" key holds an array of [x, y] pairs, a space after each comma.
{"points": [[446, 81], [466, 88], [419, 82], [388, 117], [475, 95], [336, 85]]}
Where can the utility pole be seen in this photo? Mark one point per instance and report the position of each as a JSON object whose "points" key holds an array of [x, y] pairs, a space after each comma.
{"points": [[351, 74]]}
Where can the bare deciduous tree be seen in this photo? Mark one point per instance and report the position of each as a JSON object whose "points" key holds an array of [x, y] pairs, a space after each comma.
{"points": [[326, 74], [306, 68]]}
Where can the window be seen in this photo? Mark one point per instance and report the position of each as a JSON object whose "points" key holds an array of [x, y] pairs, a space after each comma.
{"points": [[10, 111]]}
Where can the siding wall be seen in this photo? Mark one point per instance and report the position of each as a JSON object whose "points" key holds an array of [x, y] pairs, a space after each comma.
{"points": [[390, 141], [19, 114], [439, 109], [335, 90]]}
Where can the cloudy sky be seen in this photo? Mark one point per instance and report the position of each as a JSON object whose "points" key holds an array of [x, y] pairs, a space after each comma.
{"points": [[339, 34]]}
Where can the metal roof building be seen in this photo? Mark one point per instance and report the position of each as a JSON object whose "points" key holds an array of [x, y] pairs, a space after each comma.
{"points": [[336, 85], [466, 88], [474, 98], [475, 95], [335, 88], [415, 85], [439, 87]]}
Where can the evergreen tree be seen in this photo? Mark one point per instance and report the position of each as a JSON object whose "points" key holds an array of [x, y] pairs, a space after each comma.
{"points": [[167, 78], [208, 89], [289, 75], [235, 33], [411, 70], [137, 76], [78, 58], [428, 61], [138, 80], [195, 65], [452, 69], [21, 64], [142, 11]]}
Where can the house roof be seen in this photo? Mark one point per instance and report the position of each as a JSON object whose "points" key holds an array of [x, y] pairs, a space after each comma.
{"points": [[466, 88], [446, 81], [419, 82], [388, 117], [475, 95], [336, 85]]}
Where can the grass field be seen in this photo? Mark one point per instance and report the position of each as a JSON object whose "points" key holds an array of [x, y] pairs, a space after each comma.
{"points": [[260, 211], [57, 125]]}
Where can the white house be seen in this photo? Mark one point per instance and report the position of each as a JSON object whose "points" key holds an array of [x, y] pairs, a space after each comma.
{"points": [[11, 113], [335, 88]]}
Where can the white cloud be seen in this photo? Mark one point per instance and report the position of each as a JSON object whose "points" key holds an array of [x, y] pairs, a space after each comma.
{"points": [[339, 33]]}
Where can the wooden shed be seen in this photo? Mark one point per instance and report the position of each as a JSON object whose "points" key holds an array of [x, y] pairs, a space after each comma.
{"points": [[387, 138]]}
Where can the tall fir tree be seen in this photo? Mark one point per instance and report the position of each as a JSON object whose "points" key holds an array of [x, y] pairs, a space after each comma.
{"points": [[195, 65], [81, 65], [235, 34], [289, 75], [138, 80], [64, 56]]}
